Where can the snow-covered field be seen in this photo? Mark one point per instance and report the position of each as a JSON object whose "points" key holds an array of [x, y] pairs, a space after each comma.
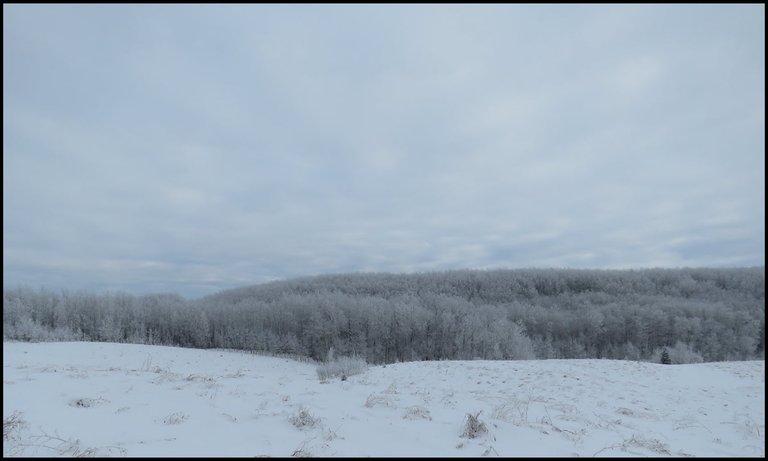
{"points": [[108, 399]]}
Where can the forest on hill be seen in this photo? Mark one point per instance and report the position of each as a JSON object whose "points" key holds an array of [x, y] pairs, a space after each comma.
{"points": [[698, 314]]}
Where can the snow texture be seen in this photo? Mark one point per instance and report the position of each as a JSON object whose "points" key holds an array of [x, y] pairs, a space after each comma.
{"points": [[105, 399]]}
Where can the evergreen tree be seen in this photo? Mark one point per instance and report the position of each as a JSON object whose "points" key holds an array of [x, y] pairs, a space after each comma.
{"points": [[665, 357]]}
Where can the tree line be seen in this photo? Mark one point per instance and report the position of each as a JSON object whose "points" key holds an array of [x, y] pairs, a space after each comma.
{"points": [[699, 314]]}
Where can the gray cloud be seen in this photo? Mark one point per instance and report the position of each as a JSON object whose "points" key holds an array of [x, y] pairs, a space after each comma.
{"points": [[200, 147]]}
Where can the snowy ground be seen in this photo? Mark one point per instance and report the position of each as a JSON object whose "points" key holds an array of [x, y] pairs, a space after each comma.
{"points": [[118, 399]]}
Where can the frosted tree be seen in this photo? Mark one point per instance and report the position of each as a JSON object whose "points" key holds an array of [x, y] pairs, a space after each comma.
{"points": [[706, 314]]}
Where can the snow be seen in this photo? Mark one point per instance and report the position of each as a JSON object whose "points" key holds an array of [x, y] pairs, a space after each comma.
{"points": [[109, 399]]}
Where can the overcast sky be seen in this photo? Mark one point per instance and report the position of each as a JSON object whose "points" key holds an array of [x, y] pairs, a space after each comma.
{"points": [[193, 148]]}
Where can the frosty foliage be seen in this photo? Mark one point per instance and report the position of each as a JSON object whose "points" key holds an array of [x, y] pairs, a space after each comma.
{"points": [[86, 402], [374, 400], [15, 443], [473, 427], [715, 314], [11, 425], [678, 354], [341, 367], [417, 412], [303, 419], [175, 418]]}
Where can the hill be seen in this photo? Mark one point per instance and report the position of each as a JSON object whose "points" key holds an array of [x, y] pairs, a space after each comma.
{"points": [[699, 314], [78, 398]]}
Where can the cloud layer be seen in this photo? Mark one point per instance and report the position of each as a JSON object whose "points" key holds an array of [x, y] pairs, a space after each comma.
{"points": [[200, 147]]}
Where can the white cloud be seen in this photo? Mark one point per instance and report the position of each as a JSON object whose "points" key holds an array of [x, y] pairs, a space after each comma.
{"points": [[193, 148]]}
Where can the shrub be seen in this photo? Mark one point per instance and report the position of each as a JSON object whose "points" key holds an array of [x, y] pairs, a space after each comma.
{"points": [[473, 427], [27, 329], [175, 418], [513, 410], [301, 452], [417, 412], [377, 399], [341, 367], [683, 353], [12, 424], [87, 403], [678, 354], [303, 419], [665, 357]]}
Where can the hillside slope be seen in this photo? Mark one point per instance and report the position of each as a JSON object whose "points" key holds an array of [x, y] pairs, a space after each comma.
{"points": [[136, 400]]}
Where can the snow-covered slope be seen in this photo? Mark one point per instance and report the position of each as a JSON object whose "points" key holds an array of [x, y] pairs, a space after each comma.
{"points": [[121, 399]]}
